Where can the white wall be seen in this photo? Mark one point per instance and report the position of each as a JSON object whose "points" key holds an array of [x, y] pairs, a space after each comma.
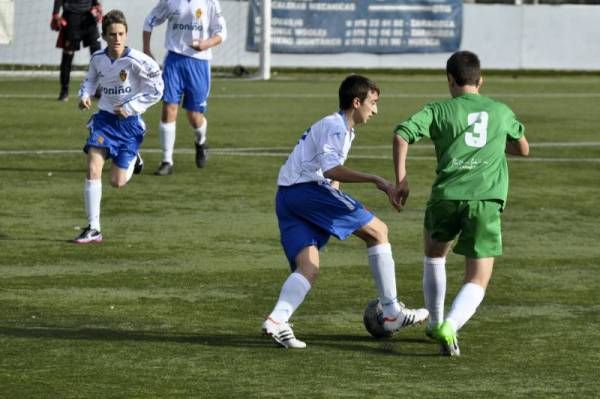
{"points": [[506, 37]]}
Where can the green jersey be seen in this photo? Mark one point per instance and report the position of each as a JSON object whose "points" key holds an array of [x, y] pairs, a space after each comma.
{"points": [[469, 133]]}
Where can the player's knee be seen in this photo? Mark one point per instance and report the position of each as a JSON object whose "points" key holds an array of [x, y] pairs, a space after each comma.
{"points": [[94, 172], [117, 181], [310, 273], [379, 232]]}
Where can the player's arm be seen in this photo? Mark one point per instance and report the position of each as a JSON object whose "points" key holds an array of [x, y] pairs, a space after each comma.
{"points": [[202, 45], [410, 131], [57, 5], [146, 39], [88, 87], [518, 147], [400, 152], [57, 22], [157, 16], [516, 143], [97, 11], [343, 174]]}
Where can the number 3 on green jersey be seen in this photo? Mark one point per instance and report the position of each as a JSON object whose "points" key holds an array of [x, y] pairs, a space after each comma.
{"points": [[478, 121]]}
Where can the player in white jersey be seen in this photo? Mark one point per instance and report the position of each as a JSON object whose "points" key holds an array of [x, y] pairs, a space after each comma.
{"points": [[193, 28], [131, 82], [310, 208]]}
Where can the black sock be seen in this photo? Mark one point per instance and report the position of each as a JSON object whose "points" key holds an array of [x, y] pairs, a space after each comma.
{"points": [[65, 71]]}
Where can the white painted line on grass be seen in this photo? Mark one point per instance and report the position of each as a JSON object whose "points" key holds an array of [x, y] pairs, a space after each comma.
{"points": [[284, 151], [20, 96]]}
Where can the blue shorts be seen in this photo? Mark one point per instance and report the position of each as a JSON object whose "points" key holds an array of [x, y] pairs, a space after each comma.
{"points": [[121, 137], [188, 77], [309, 213]]}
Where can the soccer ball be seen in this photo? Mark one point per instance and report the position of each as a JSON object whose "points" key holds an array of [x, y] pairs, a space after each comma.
{"points": [[373, 320]]}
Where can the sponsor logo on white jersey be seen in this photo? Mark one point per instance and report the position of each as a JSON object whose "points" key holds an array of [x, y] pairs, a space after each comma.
{"points": [[117, 90]]}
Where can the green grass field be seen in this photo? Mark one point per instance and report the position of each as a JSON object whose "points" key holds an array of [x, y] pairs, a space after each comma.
{"points": [[170, 305]]}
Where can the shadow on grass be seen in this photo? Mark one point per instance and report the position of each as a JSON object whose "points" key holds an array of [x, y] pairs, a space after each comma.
{"points": [[43, 170], [5, 237], [359, 343]]}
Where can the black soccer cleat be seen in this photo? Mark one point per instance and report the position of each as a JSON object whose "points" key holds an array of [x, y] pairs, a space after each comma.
{"points": [[139, 164], [164, 169], [201, 155], [63, 96]]}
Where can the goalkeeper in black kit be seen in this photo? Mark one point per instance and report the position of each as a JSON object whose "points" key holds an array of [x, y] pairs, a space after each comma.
{"points": [[78, 23]]}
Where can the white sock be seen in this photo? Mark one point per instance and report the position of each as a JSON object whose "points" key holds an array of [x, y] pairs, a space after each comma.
{"points": [[384, 274], [434, 288], [292, 294], [92, 195], [130, 168], [465, 304], [200, 132], [167, 140]]}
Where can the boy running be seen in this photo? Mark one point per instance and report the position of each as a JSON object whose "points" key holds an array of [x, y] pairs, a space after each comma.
{"points": [[131, 82]]}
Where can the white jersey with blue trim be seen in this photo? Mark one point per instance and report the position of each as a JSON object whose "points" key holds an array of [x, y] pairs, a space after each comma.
{"points": [[323, 146], [189, 20], [132, 81]]}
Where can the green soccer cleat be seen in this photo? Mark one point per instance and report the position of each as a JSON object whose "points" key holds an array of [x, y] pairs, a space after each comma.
{"points": [[447, 338]]}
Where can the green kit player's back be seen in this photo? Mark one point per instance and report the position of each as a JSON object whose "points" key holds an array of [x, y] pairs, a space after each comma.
{"points": [[470, 133]]}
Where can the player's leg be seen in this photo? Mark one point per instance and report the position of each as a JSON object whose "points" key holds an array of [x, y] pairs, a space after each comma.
{"points": [[442, 223], [375, 235], [92, 196], [199, 125], [297, 285], [383, 269], [174, 89], [127, 160], [66, 63], [197, 88], [478, 272], [477, 275], [292, 294], [480, 241], [70, 43], [120, 176], [167, 131], [434, 279], [301, 241]]}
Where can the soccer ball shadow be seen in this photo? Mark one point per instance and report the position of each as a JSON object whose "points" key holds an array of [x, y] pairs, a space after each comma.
{"points": [[373, 320]]}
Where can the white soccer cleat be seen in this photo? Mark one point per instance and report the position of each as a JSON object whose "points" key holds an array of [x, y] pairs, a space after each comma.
{"points": [[282, 334], [88, 236], [406, 318]]}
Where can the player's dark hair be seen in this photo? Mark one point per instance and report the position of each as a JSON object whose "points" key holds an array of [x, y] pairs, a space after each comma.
{"points": [[355, 86], [113, 17], [464, 67]]}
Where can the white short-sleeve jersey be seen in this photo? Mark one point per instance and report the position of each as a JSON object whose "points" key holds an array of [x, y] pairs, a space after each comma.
{"points": [[323, 146], [188, 20], [132, 81]]}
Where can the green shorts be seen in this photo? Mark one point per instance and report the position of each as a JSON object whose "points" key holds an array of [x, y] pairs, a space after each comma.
{"points": [[476, 223]]}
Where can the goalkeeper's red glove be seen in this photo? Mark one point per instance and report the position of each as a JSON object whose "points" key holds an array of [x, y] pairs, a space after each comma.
{"points": [[57, 22], [97, 12]]}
